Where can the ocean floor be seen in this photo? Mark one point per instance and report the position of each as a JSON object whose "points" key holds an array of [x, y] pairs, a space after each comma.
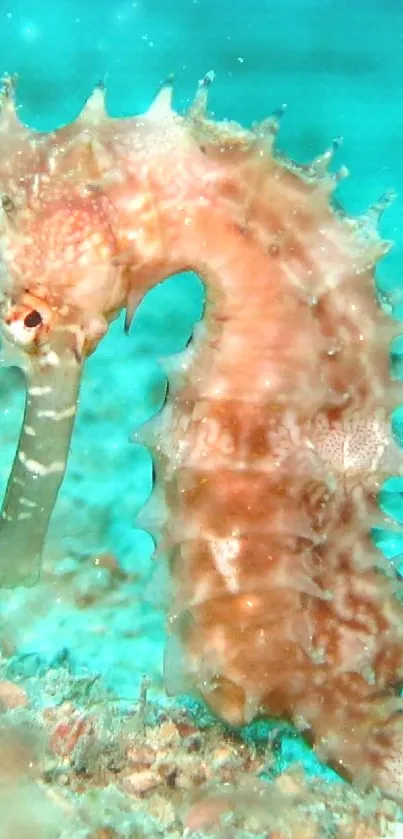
{"points": [[77, 763]]}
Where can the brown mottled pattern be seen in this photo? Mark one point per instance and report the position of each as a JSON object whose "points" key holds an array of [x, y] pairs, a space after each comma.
{"points": [[277, 438]]}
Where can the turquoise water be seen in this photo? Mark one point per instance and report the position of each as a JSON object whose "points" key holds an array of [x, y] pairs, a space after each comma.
{"points": [[339, 67]]}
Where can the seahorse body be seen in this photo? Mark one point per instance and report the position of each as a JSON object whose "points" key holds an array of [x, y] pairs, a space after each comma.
{"points": [[276, 437]]}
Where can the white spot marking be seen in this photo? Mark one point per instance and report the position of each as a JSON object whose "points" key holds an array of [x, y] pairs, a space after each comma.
{"points": [[26, 502], [50, 358], [39, 468], [39, 391], [225, 551], [58, 415]]}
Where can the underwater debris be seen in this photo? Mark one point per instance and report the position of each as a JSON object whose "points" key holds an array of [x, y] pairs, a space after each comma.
{"points": [[175, 778]]}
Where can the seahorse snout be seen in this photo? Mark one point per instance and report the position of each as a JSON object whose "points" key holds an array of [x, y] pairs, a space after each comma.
{"points": [[52, 372]]}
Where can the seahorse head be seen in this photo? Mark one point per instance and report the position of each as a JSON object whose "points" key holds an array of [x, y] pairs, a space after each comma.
{"points": [[60, 285]]}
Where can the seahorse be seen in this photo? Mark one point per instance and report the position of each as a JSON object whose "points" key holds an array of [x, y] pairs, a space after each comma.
{"points": [[276, 438]]}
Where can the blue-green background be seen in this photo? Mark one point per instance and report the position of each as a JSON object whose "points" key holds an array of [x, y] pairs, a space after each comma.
{"points": [[339, 67]]}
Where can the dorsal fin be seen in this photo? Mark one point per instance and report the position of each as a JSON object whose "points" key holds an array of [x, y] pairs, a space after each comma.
{"points": [[267, 129], [376, 211], [8, 110], [161, 106], [8, 213], [94, 110], [198, 107], [320, 165]]}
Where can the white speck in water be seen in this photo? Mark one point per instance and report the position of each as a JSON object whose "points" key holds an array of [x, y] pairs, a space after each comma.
{"points": [[29, 32]]}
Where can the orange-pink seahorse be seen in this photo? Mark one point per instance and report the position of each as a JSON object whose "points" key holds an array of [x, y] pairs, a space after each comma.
{"points": [[276, 438]]}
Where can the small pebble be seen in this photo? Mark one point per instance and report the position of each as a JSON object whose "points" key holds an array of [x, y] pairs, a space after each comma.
{"points": [[168, 733], [12, 696], [221, 756], [139, 783], [141, 756]]}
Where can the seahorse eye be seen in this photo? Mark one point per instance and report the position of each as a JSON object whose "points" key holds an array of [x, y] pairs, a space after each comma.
{"points": [[32, 319]]}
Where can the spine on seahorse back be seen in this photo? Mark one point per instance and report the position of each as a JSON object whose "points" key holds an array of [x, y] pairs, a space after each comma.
{"points": [[271, 452], [275, 441]]}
